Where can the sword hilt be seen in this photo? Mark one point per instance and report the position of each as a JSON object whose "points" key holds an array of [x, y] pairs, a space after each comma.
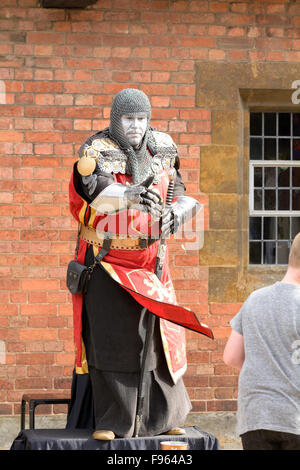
{"points": [[170, 191], [161, 252]]}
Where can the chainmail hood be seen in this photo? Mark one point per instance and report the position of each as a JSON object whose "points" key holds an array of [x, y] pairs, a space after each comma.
{"points": [[130, 101]]}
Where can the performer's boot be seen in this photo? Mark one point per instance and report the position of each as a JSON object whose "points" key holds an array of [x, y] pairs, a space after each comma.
{"points": [[102, 435], [175, 432]]}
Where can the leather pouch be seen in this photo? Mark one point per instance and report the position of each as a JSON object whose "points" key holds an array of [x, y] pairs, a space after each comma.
{"points": [[77, 277]]}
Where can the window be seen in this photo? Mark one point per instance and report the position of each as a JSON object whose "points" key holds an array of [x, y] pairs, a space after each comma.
{"points": [[274, 192]]}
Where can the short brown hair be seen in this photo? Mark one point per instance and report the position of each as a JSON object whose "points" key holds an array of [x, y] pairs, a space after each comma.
{"points": [[294, 257]]}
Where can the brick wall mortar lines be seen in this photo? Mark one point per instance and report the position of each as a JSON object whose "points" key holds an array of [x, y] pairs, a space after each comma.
{"points": [[61, 70]]}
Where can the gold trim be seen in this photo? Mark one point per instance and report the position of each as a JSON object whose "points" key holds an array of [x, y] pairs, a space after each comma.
{"points": [[95, 250], [82, 211], [83, 369], [92, 217], [108, 267]]}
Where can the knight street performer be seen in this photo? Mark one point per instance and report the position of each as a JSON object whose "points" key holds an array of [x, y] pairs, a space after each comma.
{"points": [[118, 191]]}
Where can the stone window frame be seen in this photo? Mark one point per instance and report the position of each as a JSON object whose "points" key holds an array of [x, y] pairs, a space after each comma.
{"points": [[230, 91]]}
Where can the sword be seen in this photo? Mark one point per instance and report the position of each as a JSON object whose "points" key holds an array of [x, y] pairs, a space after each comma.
{"points": [[161, 252]]}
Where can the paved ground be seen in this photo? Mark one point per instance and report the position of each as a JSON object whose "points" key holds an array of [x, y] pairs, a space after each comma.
{"points": [[230, 444]]}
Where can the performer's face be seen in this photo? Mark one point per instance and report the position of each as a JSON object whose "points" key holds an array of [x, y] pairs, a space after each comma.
{"points": [[134, 127]]}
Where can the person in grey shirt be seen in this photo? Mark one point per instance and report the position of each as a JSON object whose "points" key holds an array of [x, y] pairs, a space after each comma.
{"points": [[265, 345]]}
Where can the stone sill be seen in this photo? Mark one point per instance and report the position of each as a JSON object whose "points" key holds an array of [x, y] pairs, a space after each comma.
{"points": [[262, 268]]}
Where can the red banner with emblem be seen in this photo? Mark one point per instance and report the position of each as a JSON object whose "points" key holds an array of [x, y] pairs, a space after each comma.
{"points": [[159, 298]]}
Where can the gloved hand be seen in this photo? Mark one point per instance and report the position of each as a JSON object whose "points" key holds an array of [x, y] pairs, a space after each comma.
{"points": [[140, 197], [179, 212]]}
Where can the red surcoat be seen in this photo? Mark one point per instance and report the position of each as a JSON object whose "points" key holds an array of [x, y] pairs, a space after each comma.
{"points": [[134, 271]]}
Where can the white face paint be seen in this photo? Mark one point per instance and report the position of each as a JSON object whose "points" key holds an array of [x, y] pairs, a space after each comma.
{"points": [[134, 127]]}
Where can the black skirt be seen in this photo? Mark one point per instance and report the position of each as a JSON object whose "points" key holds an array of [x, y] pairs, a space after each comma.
{"points": [[114, 326], [115, 397]]}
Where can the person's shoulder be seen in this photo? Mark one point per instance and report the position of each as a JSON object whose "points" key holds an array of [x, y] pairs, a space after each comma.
{"points": [[162, 139], [261, 292], [109, 156], [163, 147], [99, 142]]}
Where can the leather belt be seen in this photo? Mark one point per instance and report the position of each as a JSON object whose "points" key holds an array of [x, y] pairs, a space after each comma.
{"points": [[89, 235]]}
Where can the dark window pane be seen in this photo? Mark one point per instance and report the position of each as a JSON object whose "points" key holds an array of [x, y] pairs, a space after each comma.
{"points": [[283, 249], [296, 177], [256, 124], [284, 149], [284, 124], [269, 228], [255, 253], [275, 187], [255, 228], [296, 124], [270, 123], [258, 199], [296, 149], [283, 177], [283, 200], [255, 148], [270, 199], [295, 226], [270, 149], [296, 200], [257, 176], [283, 228], [270, 177], [269, 255]]}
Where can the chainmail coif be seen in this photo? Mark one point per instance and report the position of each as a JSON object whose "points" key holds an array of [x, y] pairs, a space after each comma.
{"points": [[130, 101]]}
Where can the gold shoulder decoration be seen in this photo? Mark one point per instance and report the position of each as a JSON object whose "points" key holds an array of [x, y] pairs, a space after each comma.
{"points": [[107, 154]]}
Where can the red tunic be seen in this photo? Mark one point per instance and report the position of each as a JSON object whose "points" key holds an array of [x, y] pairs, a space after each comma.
{"points": [[134, 271]]}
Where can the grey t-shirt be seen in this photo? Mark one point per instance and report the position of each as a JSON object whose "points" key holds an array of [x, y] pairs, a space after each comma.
{"points": [[269, 381]]}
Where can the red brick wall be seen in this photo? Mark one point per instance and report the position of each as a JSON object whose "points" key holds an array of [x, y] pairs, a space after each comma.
{"points": [[60, 70]]}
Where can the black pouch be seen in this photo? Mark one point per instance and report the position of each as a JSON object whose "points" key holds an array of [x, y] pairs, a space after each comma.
{"points": [[77, 277], [77, 274]]}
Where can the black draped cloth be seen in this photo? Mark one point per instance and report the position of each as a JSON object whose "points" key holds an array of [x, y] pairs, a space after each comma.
{"points": [[81, 409], [81, 439]]}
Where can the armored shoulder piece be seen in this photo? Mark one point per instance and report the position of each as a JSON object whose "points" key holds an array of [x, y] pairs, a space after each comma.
{"points": [[113, 159], [163, 149], [107, 153]]}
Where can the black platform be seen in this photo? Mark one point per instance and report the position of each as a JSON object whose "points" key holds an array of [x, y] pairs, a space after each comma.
{"points": [[81, 439]]}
